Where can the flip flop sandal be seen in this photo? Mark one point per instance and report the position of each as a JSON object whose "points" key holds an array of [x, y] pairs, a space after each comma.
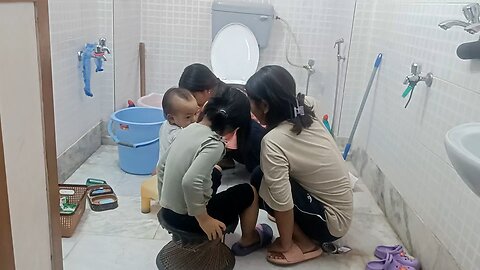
{"points": [[102, 198], [388, 264], [381, 252], [294, 256], [266, 234], [398, 254]]}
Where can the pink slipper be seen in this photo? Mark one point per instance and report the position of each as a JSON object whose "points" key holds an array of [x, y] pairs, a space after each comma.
{"points": [[293, 256]]}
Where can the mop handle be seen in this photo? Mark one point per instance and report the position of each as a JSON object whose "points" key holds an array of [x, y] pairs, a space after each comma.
{"points": [[378, 61]]}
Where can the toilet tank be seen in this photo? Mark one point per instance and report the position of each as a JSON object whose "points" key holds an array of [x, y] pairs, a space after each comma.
{"points": [[256, 16]]}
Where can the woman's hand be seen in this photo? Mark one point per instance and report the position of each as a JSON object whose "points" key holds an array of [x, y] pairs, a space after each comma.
{"points": [[213, 228]]}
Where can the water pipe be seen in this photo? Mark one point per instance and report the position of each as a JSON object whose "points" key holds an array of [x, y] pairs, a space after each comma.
{"points": [[309, 66]]}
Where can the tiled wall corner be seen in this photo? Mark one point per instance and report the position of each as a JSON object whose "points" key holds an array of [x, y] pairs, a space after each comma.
{"points": [[178, 33], [408, 144], [127, 27], [71, 159], [417, 236], [72, 24]]}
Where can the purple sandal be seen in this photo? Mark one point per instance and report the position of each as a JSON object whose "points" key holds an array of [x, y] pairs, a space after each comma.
{"points": [[381, 252], [266, 234], [387, 264], [398, 254]]}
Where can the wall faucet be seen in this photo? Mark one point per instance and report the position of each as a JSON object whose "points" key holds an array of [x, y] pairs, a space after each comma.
{"points": [[414, 78], [472, 14], [103, 44], [310, 70], [99, 50], [445, 25]]}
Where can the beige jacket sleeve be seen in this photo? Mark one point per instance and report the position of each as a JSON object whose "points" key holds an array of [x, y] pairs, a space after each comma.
{"points": [[275, 189]]}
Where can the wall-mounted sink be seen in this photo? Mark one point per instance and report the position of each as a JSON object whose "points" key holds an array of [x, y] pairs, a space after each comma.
{"points": [[463, 148]]}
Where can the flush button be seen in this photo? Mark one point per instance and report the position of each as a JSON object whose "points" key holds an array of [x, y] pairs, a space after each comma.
{"points": [[264, 18]]}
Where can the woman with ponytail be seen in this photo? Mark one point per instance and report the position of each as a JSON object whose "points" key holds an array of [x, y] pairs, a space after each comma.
{"points": [[243, 145], [184, 178], [302, 179]]}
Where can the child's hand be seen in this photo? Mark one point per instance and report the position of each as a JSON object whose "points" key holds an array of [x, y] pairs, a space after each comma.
{"points": [[213, 228]]}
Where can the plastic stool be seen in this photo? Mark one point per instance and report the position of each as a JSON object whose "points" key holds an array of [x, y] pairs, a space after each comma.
{"points": [[148, 192], [188, 251]]}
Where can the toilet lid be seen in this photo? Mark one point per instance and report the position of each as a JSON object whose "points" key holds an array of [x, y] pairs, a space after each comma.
{"points": [[234, 54]]}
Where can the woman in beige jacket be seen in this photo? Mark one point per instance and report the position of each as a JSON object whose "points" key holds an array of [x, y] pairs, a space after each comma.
{"points": [[302, 180]]}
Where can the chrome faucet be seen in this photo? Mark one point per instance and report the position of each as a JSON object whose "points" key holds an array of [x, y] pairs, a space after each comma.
{"points": [[98, 52], [413, 79], [310, 70], [100, 49], [103, 44], [445, 25], [472, 14], [416, 76]]}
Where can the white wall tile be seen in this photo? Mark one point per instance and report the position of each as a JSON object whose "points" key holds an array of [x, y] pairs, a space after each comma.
{"points": [[178, 33], [127, 25], [408, 144], [72, 24]]}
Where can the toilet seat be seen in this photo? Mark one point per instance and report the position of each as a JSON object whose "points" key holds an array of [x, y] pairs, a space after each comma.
{"points": [[234, 54]]}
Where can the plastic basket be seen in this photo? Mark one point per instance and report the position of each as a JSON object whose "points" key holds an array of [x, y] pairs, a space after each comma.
{"points": [[69, 222]]}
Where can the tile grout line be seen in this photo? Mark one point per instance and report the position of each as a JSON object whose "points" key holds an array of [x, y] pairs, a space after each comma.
{"points": [[74, 245], [456, 85]]}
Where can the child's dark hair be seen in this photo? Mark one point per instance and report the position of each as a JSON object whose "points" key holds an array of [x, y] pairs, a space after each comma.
{"points": [[197, 77], [228, 111], [172, 92], [275, 86]]}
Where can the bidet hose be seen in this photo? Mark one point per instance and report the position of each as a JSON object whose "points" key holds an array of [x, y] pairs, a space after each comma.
{"points": [[407, 91], [288, 43]]}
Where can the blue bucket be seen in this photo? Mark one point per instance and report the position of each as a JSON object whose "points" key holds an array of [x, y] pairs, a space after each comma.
{"points": [[135, 130]]}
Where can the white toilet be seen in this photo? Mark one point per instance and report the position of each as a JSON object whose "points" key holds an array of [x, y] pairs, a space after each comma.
{"points": [[239, 30]]}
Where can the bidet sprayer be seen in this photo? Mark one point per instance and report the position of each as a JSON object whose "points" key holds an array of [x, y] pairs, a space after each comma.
{"points": [[338, 46]]}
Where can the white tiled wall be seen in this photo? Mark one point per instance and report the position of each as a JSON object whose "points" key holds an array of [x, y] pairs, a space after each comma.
{"points": [[127, 25], [407, 144], [178, 33], [72, 24]]}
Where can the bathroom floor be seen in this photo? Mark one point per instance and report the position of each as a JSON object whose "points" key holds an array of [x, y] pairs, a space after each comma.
{"points": [[125, 238]]}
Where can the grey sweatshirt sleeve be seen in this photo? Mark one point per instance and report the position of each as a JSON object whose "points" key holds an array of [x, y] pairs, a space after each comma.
{"points": [[198, 173], [161, 172]]}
